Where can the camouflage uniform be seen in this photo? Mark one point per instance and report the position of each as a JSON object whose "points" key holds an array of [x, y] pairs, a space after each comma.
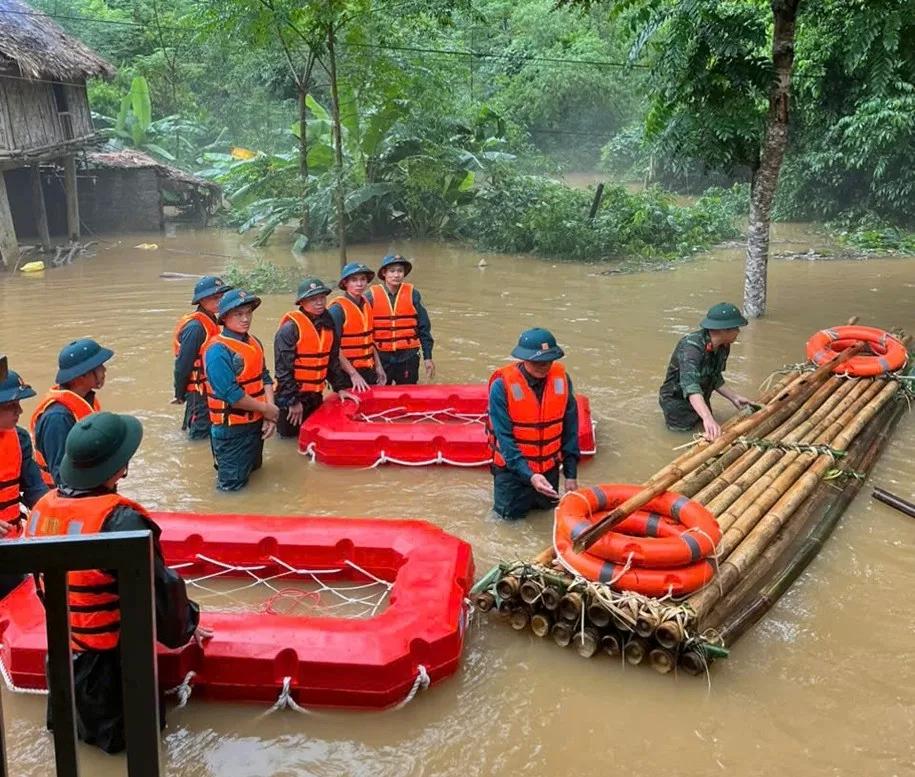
{"points": [[695, 368]]}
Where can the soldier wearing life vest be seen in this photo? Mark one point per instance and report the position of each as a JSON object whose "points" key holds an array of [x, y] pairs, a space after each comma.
{"points": [[532, 428], [191, 334], [696, 371], [355, 327], [21, 485], [80, 374], [306, 353], [239, 392], [402, 323], [98, 451]]}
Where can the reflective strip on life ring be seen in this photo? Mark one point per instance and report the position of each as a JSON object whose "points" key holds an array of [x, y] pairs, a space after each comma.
{"points": [[693, 540], [650, 582], [886, 353]]}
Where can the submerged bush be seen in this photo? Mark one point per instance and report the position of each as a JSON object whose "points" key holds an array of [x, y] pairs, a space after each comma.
{"points": [[530, 214], [262, 277]]}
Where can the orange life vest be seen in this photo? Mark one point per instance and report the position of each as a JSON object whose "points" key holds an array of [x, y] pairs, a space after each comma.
{"points": [[78, 407], [195, 380], [251, 381], [536, 426], [10, 475], [358, 333], [95, 613], [395, 327], [312, 352]]}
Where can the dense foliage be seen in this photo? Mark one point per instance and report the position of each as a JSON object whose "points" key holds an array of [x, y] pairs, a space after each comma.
{"points": [[451, 113]]}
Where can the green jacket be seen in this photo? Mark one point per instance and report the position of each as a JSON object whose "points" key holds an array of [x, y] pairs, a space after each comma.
{"points": [[695, 368]]}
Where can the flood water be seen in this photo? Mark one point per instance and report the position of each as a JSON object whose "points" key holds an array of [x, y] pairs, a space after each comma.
{"points": [[824, 686]]}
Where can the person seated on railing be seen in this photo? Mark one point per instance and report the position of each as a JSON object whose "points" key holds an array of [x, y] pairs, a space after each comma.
{"points": [[191, 335], [306, 352], [80, 374], [696, 371], [532, 428], [402, 323], [20, 479], [98, 452], [239, 393], [355, 327]]}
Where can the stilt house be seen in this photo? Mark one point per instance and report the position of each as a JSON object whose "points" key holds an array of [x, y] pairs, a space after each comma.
{"points": [[44, 112]]}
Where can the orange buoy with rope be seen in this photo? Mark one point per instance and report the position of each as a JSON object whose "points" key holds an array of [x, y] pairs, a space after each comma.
{"points": [[673, 531], [883, 354]]}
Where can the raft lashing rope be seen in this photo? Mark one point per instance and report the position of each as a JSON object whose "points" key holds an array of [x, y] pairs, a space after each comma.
{"points": [[667, 576], [413, 426]]}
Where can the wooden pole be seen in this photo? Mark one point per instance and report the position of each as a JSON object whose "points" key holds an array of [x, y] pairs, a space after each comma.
{"points": [[671, 475], [9, 246], [38, 206], [904, 507], [70, 186]]}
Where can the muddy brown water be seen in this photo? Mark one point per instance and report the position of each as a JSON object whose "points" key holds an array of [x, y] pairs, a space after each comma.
{"points": [[824, 686]]}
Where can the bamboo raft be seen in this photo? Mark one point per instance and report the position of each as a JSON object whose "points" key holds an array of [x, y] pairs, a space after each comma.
{"points": [[777, 481]]}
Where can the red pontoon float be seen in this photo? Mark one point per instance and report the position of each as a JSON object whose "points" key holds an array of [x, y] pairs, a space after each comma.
{"points": [[412, 426], [293, 660]]}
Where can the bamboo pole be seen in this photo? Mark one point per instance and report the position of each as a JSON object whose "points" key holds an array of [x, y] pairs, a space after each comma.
{"points": [[671, 475], [793, 430], [541, 623], [550, 598], [730, 572], [561, 633], [587, 641], [484, 601], [823, 497], [507, 587], [599, 615], [746, 512], [610, 644], [570, 606], [662, 660], [635, 650], [774, 427], [741, 621], [741, 503]]}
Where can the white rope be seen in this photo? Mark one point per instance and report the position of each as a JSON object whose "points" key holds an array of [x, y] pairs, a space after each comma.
{"points": [[310, 452], [285, 700], [422, 681], [183, 690], [12, 687], [439, 459]]}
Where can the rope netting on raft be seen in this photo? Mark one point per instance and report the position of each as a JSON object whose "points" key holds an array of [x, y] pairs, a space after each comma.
{"points": [[446, 415], [349, 598]]}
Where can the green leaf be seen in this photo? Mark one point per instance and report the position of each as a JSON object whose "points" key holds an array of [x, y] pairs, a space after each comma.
{"points": [[318, 110]]}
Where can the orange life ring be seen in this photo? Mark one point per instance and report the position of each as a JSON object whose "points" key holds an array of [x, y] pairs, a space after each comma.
{"points": [[885, 353], [693, 542], [650, 582]]}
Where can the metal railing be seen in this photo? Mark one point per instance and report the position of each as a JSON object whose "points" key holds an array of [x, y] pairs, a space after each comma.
{"points": [[130, 555]]}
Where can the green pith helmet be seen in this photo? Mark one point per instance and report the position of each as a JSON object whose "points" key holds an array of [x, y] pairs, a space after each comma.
{"points": [[98, 447], [724, 315], [537, 345], [311, 287]]}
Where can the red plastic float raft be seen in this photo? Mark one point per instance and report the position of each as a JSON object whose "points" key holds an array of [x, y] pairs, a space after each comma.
{"points": [[412, 426], [371, 663]]}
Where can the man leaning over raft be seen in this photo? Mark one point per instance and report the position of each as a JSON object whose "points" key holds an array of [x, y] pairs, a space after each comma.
{"points": [[696, 371], [533, 427]]}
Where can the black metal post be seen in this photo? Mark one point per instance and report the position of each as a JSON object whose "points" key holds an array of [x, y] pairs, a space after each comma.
{"points": [[139, 669], [130, 555], [60, 672], [904, 507]]}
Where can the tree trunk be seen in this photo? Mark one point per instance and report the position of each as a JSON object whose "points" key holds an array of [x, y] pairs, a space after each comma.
{"points": [[338, 143], [303, 84], [765, 176]]}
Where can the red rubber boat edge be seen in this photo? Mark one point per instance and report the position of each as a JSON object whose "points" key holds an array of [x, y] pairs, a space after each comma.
{"points": [[368, 663], [412, 426]]}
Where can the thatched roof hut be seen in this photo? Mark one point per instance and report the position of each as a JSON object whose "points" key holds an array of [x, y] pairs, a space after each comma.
{"points": [[39, 48]]}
